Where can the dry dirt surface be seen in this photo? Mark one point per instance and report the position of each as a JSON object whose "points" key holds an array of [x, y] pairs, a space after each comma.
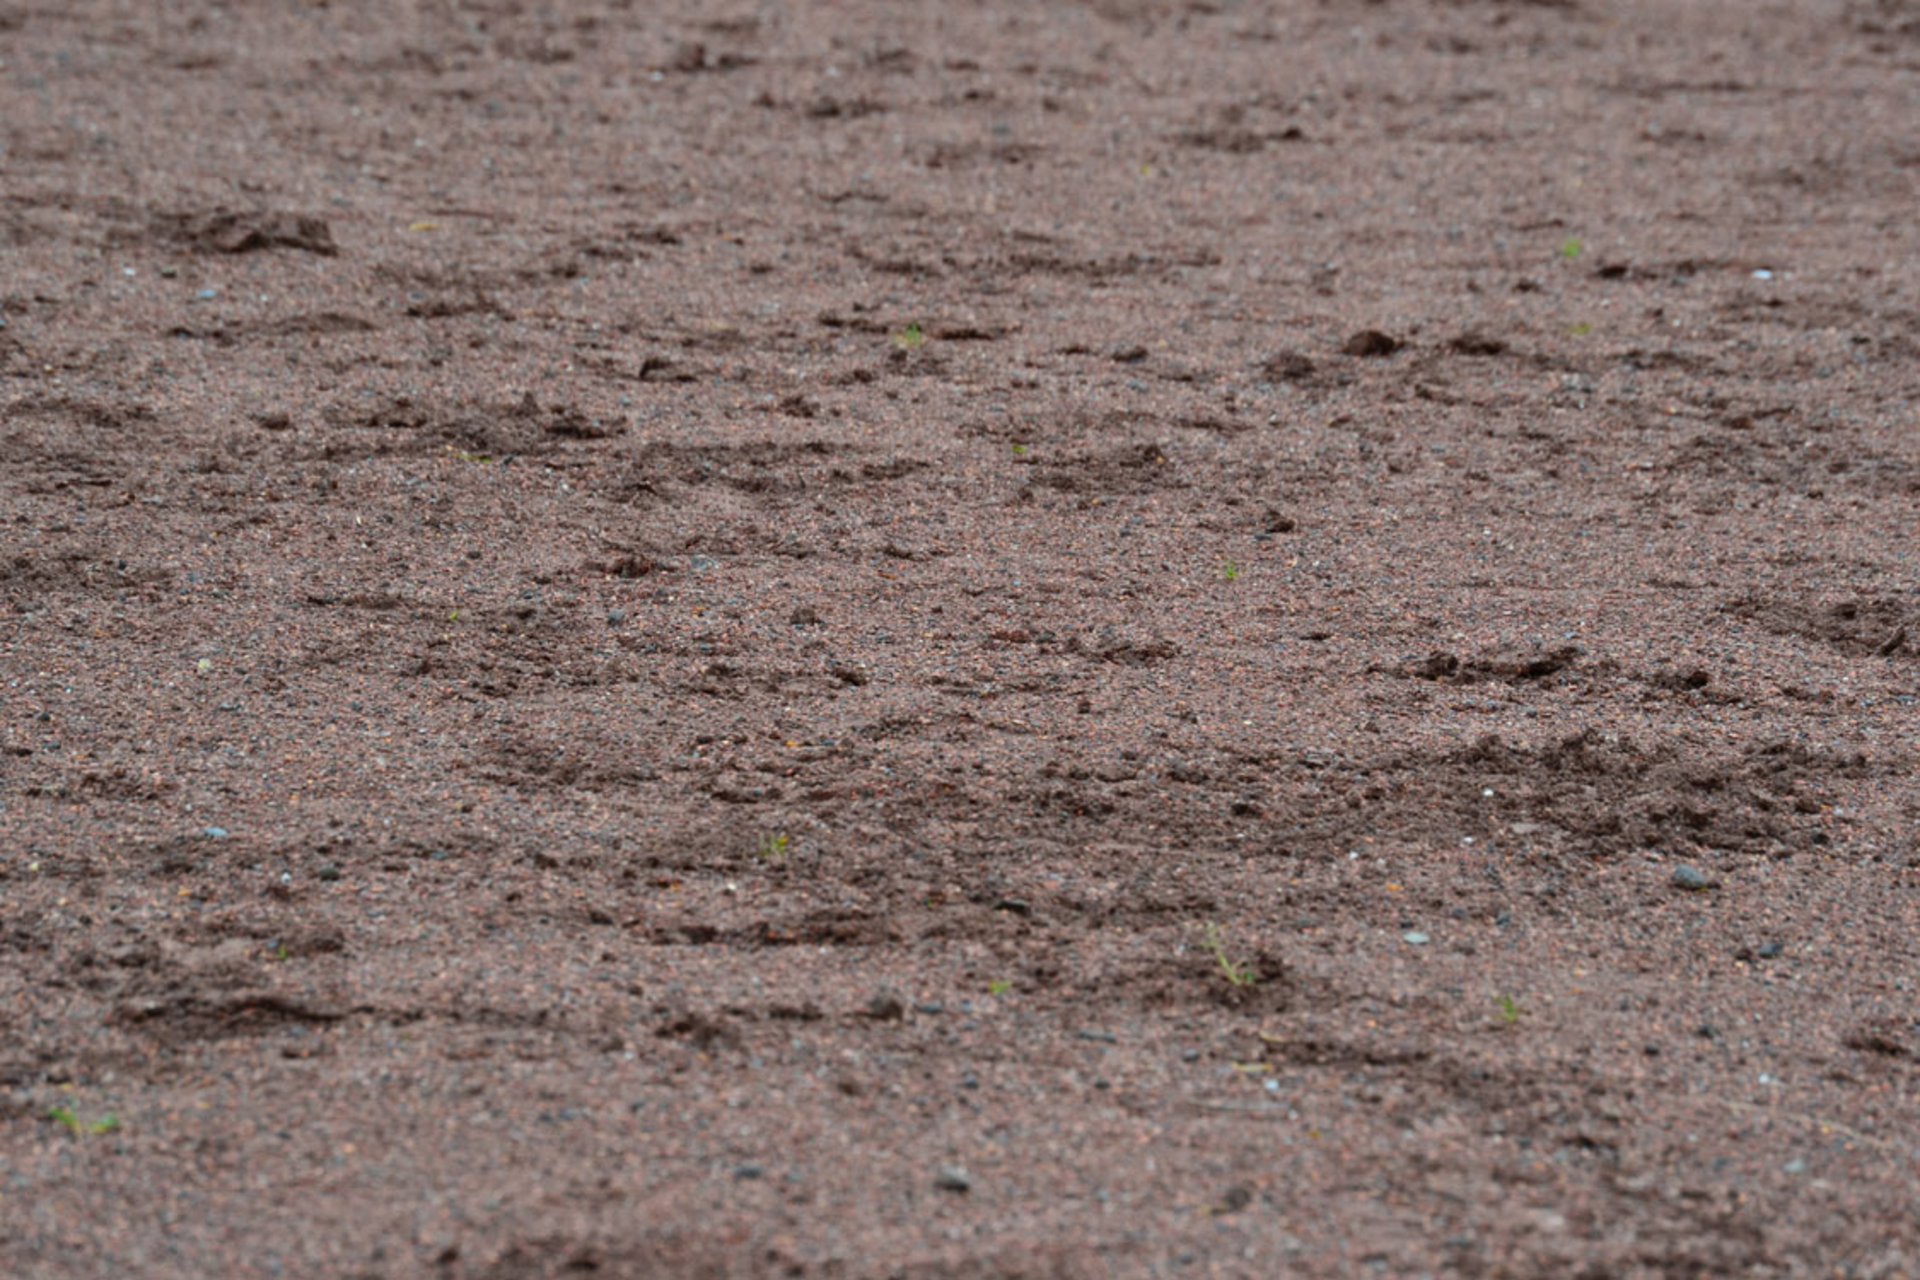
{"points": [[959, 640]]}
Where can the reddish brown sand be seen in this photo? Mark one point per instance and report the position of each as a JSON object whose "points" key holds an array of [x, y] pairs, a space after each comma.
{"points": [[696, 640]]}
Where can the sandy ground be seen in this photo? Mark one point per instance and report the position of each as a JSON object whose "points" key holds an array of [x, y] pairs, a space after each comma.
{"points": [[963, 640]]}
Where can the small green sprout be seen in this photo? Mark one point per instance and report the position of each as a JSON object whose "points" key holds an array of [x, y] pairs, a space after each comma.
{"points": [[67, 1119], [1019, 451], [1509, 1011], [1571, 248], [999, 987], [1581, 330], [911, 338], [774, 847], [1240, 975], [1230, 571]]}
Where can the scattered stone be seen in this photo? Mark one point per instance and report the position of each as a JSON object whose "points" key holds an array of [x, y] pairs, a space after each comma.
{"points": [[932, 1008], [1233, 1201], [329, 872], [1414, 938], [887, 1007], [954, 1178], [1014, 906], [1474, 343], [1371, 344], [1287, 366], [749, 1172], [1884, 1036], [248, 231], [804, 616], [1690, 878], [1101, 1037], [215, 833]]}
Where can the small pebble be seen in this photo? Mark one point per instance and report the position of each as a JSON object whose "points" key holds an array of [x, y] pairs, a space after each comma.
{"points": [[953, 1178], [1691, 879], [215, 833], [1414, 938], [749, 1173]]}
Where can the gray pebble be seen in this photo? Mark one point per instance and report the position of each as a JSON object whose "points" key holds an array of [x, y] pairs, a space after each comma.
{"points": [[953, 1178], [1691, 879], [1414, 938]]}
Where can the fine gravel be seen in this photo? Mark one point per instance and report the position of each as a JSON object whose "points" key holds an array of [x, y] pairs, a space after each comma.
{"points": [[995, 639]]}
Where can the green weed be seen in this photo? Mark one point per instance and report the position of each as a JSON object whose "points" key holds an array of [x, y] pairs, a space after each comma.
{"points": [[67, 1119], [1240, 975], [911, 338], [774, 847], [1509, 1011], [1571, 248], [999, 987], [1230, 571]]}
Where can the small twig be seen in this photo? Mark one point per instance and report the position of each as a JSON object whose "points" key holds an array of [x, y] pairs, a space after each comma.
{"points": [[1238, 1108], [1835, 1126]]}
